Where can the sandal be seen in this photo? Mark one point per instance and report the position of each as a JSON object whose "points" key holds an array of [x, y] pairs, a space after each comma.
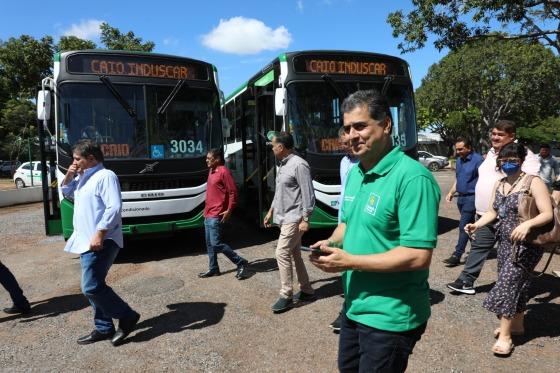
{"points": [[513, 332], [502, 348]]}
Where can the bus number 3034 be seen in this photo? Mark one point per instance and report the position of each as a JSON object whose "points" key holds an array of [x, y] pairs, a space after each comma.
{"points": [[184, 146]]}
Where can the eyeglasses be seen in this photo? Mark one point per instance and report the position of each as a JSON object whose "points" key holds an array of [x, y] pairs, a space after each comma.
{"points": [[509, 160]]}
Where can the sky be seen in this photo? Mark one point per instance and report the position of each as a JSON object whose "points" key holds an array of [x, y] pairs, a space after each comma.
{"points": [[238, 37]]}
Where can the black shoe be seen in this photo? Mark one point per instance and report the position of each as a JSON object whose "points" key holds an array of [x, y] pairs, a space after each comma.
{"points": [[304, 297], [282, 305], [335, 325], [126, 326], [15, 310], [209, 274], [94, 336], [242, 272], [452, 261], [462, 287]]}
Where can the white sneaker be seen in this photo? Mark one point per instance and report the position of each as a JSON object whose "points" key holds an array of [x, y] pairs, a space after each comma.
{"points": [[556, 273]]}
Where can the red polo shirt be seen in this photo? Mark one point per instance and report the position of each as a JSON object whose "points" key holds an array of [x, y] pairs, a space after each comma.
{"points": [[221, 193]]}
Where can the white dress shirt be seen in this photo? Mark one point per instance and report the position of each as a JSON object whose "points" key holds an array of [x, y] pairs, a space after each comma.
{"points": [[97, 206]]}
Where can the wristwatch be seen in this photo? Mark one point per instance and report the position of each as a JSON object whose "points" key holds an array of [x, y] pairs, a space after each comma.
{"points": [[305, 219]]}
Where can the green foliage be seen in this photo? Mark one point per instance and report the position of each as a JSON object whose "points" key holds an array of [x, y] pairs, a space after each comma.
{"points": [[17, 125], [73, 43], [488, 80], [456, 22], [112, 38], [546, 130], [23, 63]]}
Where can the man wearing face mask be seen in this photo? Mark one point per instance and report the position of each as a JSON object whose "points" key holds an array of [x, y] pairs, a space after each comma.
{"points": [[484, 239]]}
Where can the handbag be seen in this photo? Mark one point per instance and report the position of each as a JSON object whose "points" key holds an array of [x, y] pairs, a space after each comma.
{"points": [[546, 236]]}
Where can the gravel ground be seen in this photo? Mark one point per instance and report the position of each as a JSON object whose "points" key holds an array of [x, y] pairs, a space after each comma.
{"points": [[224, 325]]}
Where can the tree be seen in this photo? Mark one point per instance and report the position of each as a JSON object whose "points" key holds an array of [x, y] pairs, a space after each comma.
{"points": [[113, 39], [544, 131], [449, 21], [73, 43], [17, 127], [23, 63], [487, 80]]}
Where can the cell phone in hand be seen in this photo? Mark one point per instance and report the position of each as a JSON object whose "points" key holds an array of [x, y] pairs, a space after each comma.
{"points": [[315, 250]]}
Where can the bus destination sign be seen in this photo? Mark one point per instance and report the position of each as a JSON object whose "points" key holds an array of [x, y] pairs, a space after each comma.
{"points": [[346, 65], [100, 64]]}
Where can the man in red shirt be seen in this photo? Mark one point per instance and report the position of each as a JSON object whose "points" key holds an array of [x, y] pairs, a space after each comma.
{"points": [[221, 197]]}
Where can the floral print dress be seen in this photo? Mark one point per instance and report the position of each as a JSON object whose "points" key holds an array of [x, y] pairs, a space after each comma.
{"points": [[510, 294]]}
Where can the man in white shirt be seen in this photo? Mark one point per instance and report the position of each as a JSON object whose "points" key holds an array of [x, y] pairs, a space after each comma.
{"points": [[97, 237], [502, 134]]}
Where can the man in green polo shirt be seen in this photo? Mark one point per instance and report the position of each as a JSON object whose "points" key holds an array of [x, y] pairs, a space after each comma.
{"points": [[383, 244]]}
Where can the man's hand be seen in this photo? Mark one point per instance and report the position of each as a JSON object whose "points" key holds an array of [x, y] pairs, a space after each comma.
{"points": [[225, 216], [449, 197], [303, 226], [96, 243], [267, 219], [73, 169], [335, 259]]}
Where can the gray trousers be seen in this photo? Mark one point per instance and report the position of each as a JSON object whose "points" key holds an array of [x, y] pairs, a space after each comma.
{"points": [[484, 241]]}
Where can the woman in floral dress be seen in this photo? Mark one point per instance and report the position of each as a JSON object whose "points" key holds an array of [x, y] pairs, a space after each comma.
{"points": [[508, 298]]}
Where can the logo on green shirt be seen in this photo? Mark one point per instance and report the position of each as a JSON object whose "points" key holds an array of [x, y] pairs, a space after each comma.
{"points": [[372, 203]]}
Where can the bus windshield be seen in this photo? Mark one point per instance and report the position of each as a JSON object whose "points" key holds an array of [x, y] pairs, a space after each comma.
{"points": [[187, 128], [314, 116]]}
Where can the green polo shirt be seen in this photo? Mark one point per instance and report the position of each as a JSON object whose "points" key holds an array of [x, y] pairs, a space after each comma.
{"points": [[393, 204]]}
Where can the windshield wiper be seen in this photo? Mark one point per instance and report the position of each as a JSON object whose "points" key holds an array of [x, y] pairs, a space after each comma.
{"points": [[163, 108], [388, 81], [336, 88], [107, 82]]}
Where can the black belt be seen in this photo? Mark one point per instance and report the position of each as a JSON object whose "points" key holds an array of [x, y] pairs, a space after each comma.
{"points": [[465, 194]]}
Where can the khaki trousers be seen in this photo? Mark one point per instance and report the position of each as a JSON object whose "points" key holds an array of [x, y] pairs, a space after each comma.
{"points": [[288, 255]]}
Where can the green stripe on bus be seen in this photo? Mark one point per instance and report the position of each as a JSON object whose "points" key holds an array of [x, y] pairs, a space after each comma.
{"points": [[264, 80], [322, 219], [283, 57]]}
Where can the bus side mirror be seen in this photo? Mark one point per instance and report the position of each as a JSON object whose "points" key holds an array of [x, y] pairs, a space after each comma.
{"points": [[226, 127], [44, 105], [280, 101]]}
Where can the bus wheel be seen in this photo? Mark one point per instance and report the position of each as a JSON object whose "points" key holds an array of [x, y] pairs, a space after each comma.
{"points": [[19, 183]]}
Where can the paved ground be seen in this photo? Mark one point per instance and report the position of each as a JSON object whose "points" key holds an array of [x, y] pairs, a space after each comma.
{"points": [[221, 324]]}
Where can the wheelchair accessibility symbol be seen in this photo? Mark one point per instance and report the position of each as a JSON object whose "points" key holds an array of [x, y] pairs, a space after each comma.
{"points": [[157, 151]]}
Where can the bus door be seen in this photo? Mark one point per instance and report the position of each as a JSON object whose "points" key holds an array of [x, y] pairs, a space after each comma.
{"points": [[47, 146], [265, 121]]}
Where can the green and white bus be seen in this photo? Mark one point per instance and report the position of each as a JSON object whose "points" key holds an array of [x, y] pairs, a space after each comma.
{"points": [[154, 116], [301, 92]]}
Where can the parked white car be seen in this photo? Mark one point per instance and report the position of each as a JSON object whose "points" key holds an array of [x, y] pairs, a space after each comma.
{"points": [[433, 162], [24, 173]]}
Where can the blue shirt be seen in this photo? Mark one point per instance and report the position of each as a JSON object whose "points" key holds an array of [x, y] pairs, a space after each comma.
{"points": [[97, 206], [466, 172]]}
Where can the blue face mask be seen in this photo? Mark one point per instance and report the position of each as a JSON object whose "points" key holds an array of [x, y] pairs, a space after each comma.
{"points": [[510, 168]]}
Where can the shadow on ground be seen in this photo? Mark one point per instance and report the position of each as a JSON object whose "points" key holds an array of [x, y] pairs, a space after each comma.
{"points": [[446, 224], [181, 316], [51, 307]]}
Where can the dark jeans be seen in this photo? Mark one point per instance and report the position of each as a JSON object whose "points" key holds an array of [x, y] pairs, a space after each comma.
{"points": [[11, 285], [366, 349], [484, 241], [214, 244], [107, 305], [468, 212]]}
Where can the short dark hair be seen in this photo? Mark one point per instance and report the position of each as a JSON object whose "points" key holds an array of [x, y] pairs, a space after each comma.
{"points": [[85, 148], [545, 146], [376, 103], [512, 150], [508, 126], [285, 138], [217, 153], [465, 141]]}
